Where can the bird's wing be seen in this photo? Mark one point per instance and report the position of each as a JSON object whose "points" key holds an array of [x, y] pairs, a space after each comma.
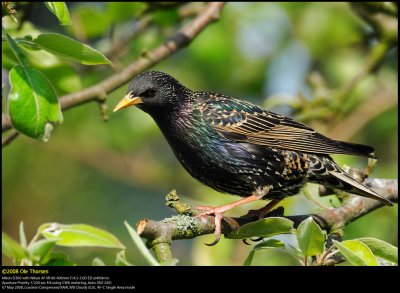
{"points": [[241, 121]]}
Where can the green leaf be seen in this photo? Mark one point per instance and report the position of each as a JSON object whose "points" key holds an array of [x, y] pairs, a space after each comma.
{"points": [[356, 252], [310, 237], [140, 246], [295, 251], [249, 258], [40, 250], [19, 55], [60, 10], [79, 235], [22, 236], [33, 106], [42, 59], [381, 249], [120, 260], [263, 228], [26, 43], [98, 262], [70, 49], [271, 243], [11, 248], [8, 59]]}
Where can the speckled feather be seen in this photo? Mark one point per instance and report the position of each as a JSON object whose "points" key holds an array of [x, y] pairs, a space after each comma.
{"points": [[239, 148]]}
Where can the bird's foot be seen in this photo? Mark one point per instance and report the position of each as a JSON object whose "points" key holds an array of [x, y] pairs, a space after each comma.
{"points": [[261, 213], [218, 213]]}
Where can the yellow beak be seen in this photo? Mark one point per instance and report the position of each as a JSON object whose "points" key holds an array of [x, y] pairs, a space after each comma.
{"points": [[127, 101]]}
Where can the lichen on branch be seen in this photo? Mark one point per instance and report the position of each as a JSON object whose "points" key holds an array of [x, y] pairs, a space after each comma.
{"points": [[186, 225]]}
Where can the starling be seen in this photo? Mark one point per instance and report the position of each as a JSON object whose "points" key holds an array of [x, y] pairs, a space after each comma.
{"points": [[239, 148]]}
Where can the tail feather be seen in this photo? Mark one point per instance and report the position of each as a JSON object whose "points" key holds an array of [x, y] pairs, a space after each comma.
{"points": [[356, 149], [359, 188]]}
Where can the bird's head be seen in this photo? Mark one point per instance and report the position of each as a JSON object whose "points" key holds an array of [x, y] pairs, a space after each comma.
{"points": [[154, 91]]}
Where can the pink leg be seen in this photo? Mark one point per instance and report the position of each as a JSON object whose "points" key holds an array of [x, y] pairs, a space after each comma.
{"points": [[219, 211], [265, 210]]}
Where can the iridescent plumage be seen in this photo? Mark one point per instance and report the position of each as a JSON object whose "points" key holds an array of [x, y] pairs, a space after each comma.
{"points": [[239, 148]]}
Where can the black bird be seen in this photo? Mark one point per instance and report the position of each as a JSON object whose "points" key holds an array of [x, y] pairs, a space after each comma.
{"points": [[239, 148]]}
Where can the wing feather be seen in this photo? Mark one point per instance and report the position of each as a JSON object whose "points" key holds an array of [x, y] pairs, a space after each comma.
{"points": [[244, 122]]}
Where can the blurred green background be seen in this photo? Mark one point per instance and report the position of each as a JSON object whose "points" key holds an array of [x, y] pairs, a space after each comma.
{"points": [[102, 173]]}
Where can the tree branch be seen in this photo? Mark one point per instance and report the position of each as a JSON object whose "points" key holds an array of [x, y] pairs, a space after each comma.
{"points": [[120, 45], [186, 226], [182, 39], [14, 134], [386, 27], [374, 106], [179, 41]]}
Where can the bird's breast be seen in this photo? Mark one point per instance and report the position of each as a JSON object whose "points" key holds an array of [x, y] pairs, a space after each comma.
{"points": [[203, 154]]}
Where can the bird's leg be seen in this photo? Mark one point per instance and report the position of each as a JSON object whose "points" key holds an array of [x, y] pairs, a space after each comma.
{"points": [[261, 213], [219, 211]]}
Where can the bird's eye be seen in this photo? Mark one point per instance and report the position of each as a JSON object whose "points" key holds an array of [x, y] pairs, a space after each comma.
{"points": [[149, 93]]}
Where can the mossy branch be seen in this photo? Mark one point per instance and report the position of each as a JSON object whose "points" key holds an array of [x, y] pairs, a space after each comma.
{"points": [[185, 225]]}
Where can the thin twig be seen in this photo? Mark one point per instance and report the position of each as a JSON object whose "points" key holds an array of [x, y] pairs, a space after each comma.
{"points": [[14, 134], [386, 27], [370, 109], [120, 46]]}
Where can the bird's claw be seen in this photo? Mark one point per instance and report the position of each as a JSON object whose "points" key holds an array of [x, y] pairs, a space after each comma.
{"points": [[254, 239], [216, 240], [218, 216]]}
